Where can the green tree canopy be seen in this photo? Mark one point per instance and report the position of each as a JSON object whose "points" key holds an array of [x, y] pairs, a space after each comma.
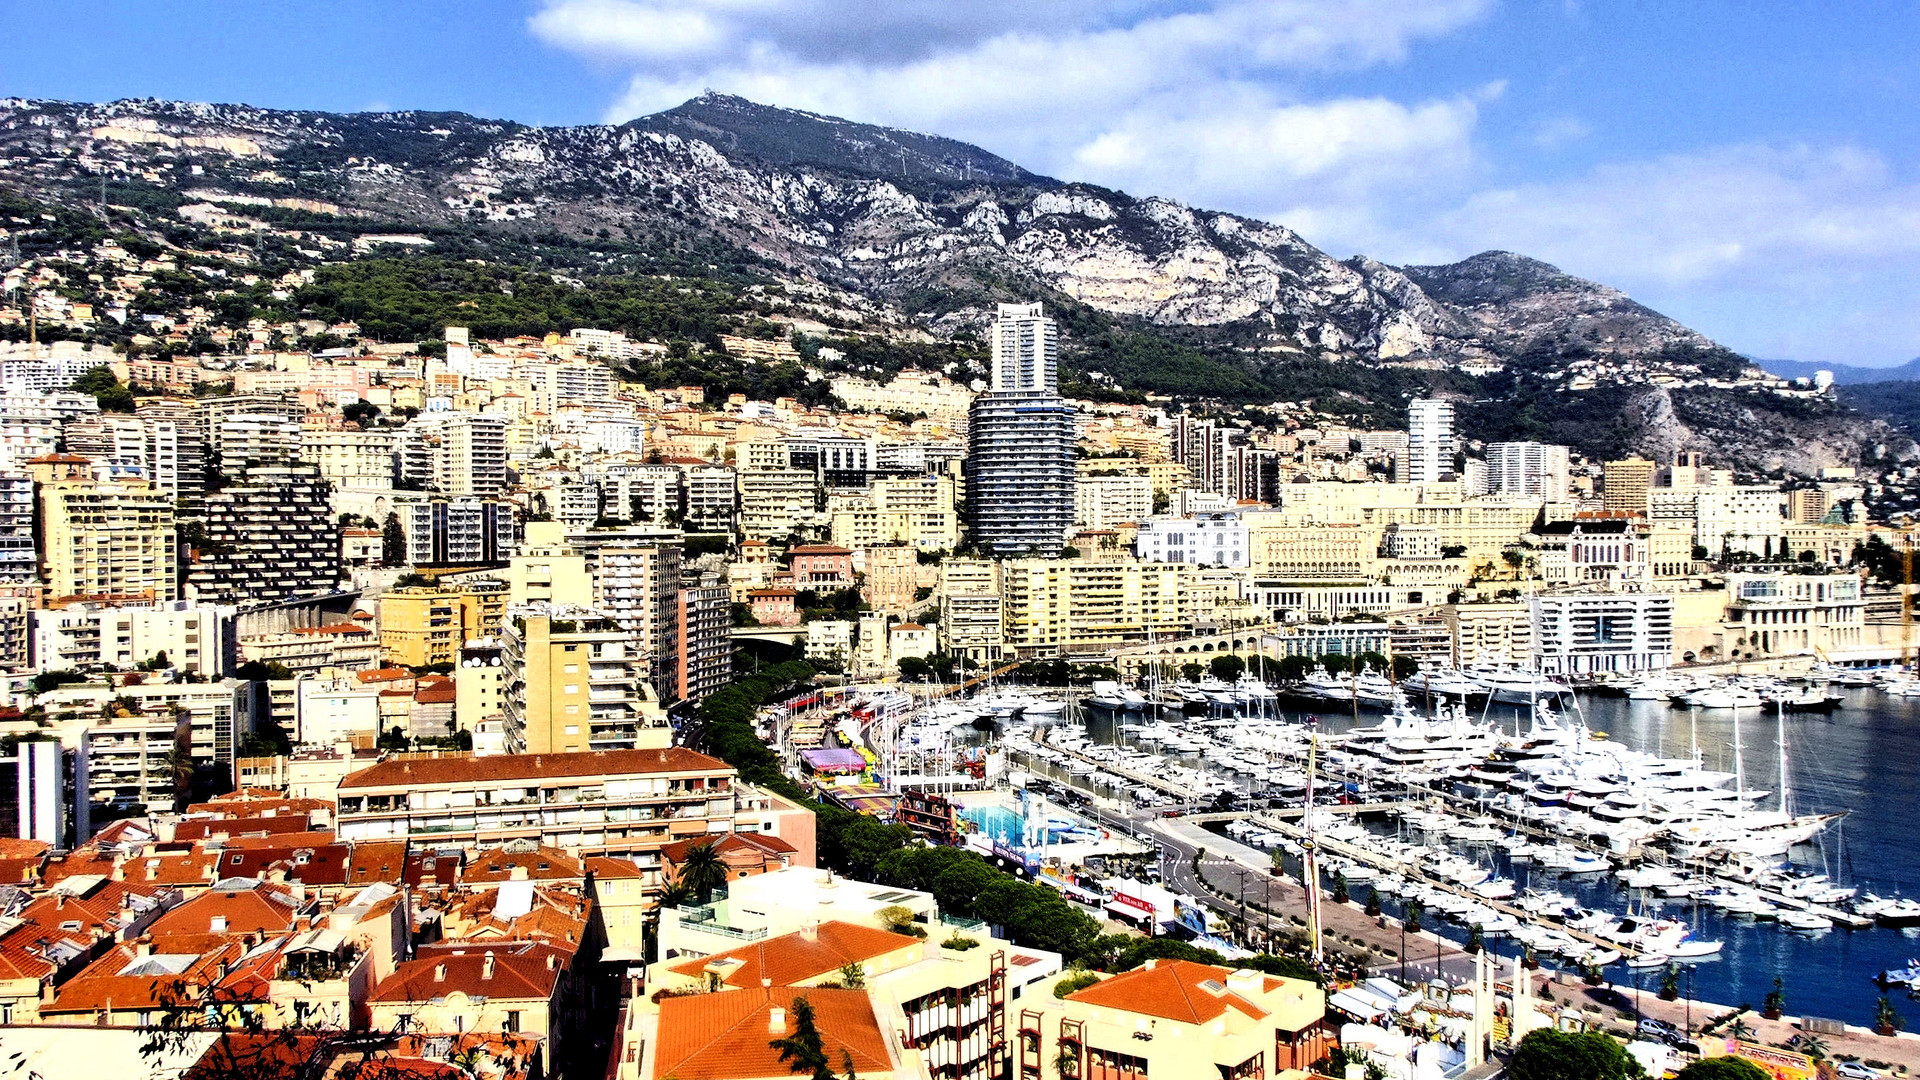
{"points": [[1725, 1067], [1550, 1054]]}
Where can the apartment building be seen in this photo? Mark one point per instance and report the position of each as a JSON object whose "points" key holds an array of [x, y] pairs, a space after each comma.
{"points": [[1579, 632], [776, 503], [1492, 634], [351, 458], [575, 681], [704, 638], [1054, 607], [613, 802], [19, 556], [972, 621], [1199, 1022], [1528, 470], [272, 536], [103, 538], [1625, 485], [194, 639], [428, 624], [1104, 502], [454, 453], [458, 531]]}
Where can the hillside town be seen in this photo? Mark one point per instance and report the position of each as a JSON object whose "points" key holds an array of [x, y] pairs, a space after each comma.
{"points": [[463, 706]]}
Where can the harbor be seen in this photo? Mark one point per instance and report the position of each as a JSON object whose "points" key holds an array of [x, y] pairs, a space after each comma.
{"points": [[1673, 846]]}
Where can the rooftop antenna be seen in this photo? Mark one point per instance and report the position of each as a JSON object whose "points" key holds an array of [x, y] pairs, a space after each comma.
{"points": [[903, 163]]}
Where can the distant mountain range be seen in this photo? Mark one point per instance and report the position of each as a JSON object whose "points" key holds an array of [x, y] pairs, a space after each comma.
{"points": [[1154, 295], [1843, 374]]}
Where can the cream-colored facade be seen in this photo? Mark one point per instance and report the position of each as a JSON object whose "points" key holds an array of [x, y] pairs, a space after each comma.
{"points": [[576, 681], [107, 538], [1493, 634], [1054, 607], [1173, 1020], [1103, 502], [350, 458], [428, 624]]}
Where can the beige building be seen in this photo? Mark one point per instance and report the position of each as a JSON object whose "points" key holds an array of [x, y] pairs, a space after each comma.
{"points": [[971, 617], [1627, 483], [1057, 607], [103, 538], [1199, 1022], [1492, 633], [575, 680], [351, 458], [617, 802], [427, 624]]}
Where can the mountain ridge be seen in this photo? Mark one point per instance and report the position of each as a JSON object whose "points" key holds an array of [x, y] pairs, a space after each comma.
{"points": [[960, 231]]}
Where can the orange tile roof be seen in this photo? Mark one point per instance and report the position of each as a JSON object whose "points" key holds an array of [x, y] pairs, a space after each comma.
{"points": [[264, 908], [467, 769], [791, 958], [494, 865], [603, 866], [1171, 990], [726, 1036], [522, 970], [377, 861]]}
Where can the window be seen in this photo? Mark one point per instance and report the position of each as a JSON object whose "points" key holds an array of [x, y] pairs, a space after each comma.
{"points": [[1111, 1065], [513, 1019]]}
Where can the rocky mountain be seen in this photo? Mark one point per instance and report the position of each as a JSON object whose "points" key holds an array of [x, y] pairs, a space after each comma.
{"points": [[930, 227], [935, 225]]}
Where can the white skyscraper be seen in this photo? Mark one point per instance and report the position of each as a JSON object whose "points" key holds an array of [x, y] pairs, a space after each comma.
{"points": [[1429, 441], [1026, 350]]}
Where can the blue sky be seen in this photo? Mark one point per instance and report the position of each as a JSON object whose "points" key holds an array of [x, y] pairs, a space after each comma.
{"points": [[1745, 167]]}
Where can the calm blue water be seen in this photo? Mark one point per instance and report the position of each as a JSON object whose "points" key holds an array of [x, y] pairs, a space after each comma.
{"points": [[1864, 758]]}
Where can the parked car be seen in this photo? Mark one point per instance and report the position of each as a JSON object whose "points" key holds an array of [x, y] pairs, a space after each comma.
{"points": [[1853, 1070]]}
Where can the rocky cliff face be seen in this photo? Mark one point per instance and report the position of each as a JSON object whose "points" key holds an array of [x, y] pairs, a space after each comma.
{"points": [[930, 223], [941, 230]]}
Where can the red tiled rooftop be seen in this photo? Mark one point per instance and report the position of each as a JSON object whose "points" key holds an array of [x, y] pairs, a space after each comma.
{"points": [[726, 1036], [793, 958], [468, 769], [1172, 990]]}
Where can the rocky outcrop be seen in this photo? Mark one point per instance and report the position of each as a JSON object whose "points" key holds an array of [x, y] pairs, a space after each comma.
{"points": [[896, 215]]}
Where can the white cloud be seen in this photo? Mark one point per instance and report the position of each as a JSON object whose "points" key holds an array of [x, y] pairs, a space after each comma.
{"points": [[1793, 250], [1196, 102], [1780, 250]]}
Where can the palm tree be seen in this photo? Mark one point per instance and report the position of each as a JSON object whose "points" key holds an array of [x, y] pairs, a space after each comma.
{"points": [[1739, 1029], [675, 895], [703, 871], [1812, 1045]]}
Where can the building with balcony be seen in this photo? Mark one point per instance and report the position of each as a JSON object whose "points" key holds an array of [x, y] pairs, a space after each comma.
{"points": [[270, 536], [574, 681], [1579, 632], [615, 802], [103, 538]]}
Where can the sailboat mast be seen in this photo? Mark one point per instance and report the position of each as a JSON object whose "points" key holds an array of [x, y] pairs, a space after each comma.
{"points": [[1786, 800], [1309, 863]]}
